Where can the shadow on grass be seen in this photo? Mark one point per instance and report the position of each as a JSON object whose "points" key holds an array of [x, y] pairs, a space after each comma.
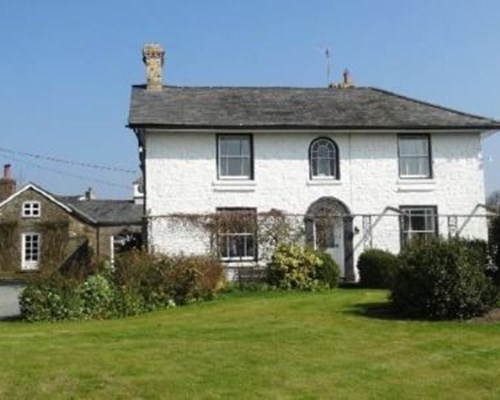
{"points": [[380, 310], [11, 318]]}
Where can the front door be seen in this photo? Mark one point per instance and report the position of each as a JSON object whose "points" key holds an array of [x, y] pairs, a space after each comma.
{"points": [[329, 237]]}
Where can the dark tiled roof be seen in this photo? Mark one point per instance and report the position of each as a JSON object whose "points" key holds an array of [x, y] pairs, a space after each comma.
{"points": [[282, 107], [108, 212]]}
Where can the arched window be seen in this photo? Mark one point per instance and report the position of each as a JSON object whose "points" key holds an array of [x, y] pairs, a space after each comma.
{"points": [[323, 159]]}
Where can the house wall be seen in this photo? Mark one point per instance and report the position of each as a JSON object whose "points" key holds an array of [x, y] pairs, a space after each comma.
{"points": [[78, 231], [181, 177]]}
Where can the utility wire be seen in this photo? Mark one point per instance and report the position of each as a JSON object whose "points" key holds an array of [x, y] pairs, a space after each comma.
{"points": [[81, 177], [75, 163]]}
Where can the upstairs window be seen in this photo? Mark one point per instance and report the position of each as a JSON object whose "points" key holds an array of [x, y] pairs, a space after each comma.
{"points": [[236, 234], [235, 156], [414, 156], [31, 209], [418, 222], [323, 159]]}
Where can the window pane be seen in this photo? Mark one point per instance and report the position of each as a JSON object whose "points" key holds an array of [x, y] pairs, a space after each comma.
{"points": [[234, 167], [245, 147], [324, 167], [245, 164], [414, 146], [223, 166], [232, 147]]}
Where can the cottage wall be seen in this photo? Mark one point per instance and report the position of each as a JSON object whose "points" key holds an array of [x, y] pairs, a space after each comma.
{"points": [[78, 231], [181, 177]]}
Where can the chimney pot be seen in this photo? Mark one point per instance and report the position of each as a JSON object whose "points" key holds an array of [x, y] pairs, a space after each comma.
{"points": [[153, 57], [7, 175]]}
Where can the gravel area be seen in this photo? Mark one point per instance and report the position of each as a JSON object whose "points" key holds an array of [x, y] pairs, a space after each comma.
{"points": [[9, 301]]}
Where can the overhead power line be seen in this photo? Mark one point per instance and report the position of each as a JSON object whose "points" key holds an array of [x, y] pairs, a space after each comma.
{"points": [[81, 177], [68, 162]]}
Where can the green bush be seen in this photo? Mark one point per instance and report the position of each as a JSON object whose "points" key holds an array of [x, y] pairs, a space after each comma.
{"points": [[440, 279], [139, 282], [301, 268], [97, 296], [50, 298], [377, 268]]}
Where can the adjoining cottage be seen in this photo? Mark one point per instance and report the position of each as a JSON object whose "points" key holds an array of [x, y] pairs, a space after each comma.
{"points": [[40, 231], [382, 166]]}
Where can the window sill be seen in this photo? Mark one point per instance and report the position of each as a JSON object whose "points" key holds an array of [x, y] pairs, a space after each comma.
{"points": [[323, 182], [234, 186], [416, 185]]}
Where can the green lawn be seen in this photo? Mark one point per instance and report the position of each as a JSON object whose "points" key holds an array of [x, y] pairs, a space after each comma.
{"points": [[262, 345]]}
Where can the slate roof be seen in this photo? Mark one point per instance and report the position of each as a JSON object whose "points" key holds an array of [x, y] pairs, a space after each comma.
{"points": [[287, 107], [107, 212]]}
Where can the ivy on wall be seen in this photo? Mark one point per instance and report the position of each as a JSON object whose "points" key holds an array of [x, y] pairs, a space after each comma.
{"points": [[55, 239], [8, 245]]}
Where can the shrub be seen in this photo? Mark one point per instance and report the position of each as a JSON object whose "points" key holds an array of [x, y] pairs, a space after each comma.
{"points": [[440, 279], [138, 283], [329, 272], [97, 296], [50, 298], [301, 268], [377, 268]]}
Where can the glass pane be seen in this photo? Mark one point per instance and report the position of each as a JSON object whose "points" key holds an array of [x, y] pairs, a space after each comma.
{"points": [[232, 147], [250, 248], [245, 163], [413, 146], [223, 167], [234, 167], [245, 147], [324, 167]]}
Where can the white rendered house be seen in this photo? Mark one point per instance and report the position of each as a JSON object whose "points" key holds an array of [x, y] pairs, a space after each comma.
{"points": [[387, 167]]}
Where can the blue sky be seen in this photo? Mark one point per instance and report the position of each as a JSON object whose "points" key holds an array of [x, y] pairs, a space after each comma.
{"points": [[67, 67]]}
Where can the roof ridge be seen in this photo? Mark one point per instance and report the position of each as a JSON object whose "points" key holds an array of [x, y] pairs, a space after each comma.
{"points": [[427, 103], [255, 87]]}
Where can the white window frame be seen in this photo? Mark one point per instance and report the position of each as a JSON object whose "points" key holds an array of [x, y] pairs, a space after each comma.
{"points": [[220, 156], [333, 160], [28, 262], [420, 211], [31, 209], [427, 156], [224, 239]]}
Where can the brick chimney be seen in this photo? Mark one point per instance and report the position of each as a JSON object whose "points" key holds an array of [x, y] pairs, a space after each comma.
{"points": [[7, 184], [153, 56]]}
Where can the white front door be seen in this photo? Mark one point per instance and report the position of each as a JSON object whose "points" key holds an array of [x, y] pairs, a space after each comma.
{"points": [[329, 237]]}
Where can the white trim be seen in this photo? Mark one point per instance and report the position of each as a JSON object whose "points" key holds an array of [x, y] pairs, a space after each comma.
{"points": [[39, 191], [234, 185], [323, 182], [28, 207], [30, 265]]}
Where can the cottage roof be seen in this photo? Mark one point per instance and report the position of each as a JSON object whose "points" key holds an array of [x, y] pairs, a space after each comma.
{"points": [[292, 108], [108, 212]]}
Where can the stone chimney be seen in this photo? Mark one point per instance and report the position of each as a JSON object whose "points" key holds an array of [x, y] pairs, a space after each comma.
{"points": [[347, 79], [7, 184], [90, 194], [153, 56]]}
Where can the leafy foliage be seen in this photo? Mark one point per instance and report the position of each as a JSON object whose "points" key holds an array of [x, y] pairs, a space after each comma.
{"points": [[377, 268], [301, 268], [139, 282], [441, 279]]}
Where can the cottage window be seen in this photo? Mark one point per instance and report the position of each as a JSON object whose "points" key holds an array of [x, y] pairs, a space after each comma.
{"points": [[323, 159], [418, 222], [235, 156], [414, 156], [236, 234], [31, 209], [30, 251]]}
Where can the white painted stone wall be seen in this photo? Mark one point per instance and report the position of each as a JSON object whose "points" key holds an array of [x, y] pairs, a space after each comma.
{"points": [[181, 177]]}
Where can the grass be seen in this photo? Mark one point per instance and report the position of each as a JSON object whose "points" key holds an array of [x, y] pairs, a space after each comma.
{"points": [[261, 345]]}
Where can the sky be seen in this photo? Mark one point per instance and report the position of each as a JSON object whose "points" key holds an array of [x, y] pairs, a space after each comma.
{"points": [[67, 67]]}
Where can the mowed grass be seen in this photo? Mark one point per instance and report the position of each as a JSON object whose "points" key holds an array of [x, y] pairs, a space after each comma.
{"points": [[262, 345]]}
